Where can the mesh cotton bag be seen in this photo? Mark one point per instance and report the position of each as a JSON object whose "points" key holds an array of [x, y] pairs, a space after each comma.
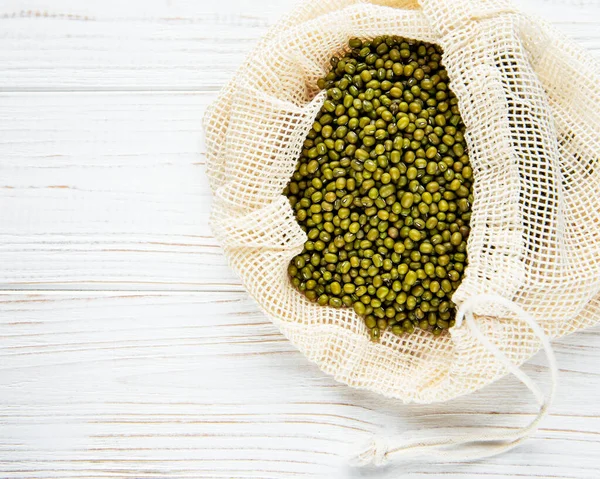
{"points": [[530, 100]]}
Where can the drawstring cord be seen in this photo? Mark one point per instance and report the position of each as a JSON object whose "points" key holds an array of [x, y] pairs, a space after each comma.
{"points": [[475, 446]]}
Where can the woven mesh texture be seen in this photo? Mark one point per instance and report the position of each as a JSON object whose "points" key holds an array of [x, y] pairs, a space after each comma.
{"points": [[530, 100]]}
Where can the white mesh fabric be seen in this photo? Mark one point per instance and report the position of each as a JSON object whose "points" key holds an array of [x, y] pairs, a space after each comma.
{"points": [[530, 101]]}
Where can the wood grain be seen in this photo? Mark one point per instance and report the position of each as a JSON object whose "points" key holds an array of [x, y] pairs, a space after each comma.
{"points": [[128, 349], [106, 191], [65, 45], [201, 385]]}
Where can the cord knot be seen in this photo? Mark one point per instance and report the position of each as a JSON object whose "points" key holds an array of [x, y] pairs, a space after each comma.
{"points": [[374, 452]]}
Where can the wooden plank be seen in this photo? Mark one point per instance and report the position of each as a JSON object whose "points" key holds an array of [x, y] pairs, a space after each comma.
{"points": [[106, 191], [202, 385], [68, 45], [89, 45]]}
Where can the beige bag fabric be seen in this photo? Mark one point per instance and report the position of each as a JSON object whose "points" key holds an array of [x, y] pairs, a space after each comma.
{"points": [[530, 100]]}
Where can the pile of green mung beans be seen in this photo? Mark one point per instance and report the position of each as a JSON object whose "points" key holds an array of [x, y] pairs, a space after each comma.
{"points": [[383, 189]]}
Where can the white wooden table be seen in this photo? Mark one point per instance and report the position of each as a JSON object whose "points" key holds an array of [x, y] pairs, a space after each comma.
{"points": [[127, 347]]}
